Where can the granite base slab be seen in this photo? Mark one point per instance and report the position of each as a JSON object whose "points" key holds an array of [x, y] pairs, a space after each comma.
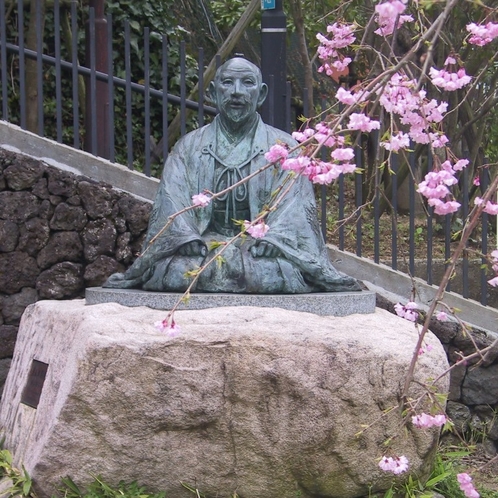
{"points": [[325, 304]]}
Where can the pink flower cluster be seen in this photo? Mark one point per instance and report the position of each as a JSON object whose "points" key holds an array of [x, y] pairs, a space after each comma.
{"points": [[407, 311], [465, 483], [170, 329], [400, 97], [424, 420], [339, 37], [494, 260], [277, 154], [435, 187], [396, 465], [490, 207], [446, 80], [201, 200], [425, 349], [482, 34], [316, 170], [258, 231], [387, 15]]}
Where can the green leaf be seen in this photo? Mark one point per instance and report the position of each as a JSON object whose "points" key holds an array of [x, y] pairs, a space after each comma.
{"points": [[438, 478]]}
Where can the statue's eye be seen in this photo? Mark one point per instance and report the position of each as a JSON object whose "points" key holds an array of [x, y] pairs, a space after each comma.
{"points": [[227, 82], [249, 82]]}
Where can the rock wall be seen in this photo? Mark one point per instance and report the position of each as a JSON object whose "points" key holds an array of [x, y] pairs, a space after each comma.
{"points": [[59, 233]]}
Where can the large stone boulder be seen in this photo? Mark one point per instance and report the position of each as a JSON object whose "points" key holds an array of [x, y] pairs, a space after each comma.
{"points": [[259, 401]]}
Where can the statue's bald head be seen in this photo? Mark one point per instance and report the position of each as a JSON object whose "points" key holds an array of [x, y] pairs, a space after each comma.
{"points": [[239, 64], [237, 90]]}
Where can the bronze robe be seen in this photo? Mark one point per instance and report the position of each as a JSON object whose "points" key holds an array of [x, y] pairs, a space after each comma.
{"points": [[303, 265]]}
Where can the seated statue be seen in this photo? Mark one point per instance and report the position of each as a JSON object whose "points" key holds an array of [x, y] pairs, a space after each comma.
{"points": [[291, 258]]}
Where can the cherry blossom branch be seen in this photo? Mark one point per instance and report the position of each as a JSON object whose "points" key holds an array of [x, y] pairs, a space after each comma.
{"points": [[469, 227]]}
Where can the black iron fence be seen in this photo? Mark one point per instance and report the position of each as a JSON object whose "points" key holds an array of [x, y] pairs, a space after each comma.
{"points": [[374, 214]]}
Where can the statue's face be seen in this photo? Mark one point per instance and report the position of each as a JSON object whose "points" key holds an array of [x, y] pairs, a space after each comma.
{"points": [[238, 91]]}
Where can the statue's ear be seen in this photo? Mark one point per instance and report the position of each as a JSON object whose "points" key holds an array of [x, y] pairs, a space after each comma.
{"points": [[263, 92], [211, 94]]}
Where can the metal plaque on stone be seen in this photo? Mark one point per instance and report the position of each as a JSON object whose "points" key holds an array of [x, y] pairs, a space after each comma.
{"points": [[34, 385]]}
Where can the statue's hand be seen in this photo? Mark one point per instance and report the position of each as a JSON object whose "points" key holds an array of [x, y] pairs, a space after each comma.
{"points": [[194, 248], [262, 249]]}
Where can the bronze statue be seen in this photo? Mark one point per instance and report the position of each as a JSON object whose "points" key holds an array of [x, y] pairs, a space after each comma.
{"points": [[291, 258]]}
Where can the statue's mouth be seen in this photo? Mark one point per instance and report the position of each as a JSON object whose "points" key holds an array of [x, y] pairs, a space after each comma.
{"points": [[237, 104]]}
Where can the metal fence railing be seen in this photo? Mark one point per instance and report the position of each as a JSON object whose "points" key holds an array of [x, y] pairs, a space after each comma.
{"points": [[127, 119]]}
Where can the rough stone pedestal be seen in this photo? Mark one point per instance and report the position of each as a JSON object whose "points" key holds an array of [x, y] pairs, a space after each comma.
{"points": [[260, 401]]}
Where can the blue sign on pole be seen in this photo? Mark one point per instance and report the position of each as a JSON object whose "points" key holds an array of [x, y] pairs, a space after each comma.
{"points": [[267, 4]]}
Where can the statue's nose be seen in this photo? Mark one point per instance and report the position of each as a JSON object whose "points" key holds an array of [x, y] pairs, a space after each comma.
{"points": [[237, 87]]}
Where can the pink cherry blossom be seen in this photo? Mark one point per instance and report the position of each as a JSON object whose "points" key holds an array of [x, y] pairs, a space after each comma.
{"points": [[297, 164], [449, 81], [399, 141], [443, 208], [362, 122], [258, 231], [482, 34], [493, 282], [343, 154], [387, 14], [407, 311], [425, 421], [301, 136], [277, 153], [345, 96], [201, 200], [396, 465], [170, 329], [465, 483], [490, 207], [460, 164], [442, 316]]}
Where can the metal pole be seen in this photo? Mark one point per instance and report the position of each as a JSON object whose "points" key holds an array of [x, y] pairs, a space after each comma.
{"points": [[101, 103], [273, 61]]}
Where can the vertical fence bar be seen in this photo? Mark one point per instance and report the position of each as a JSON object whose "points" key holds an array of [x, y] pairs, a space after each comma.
{"points": [[394, 213], [147, 100], [288, 120], [200, 86], [3, 61], [39, 68], [358, 198], [411, 207], [165, 96], [110, 89], [183, 90], [447, 244], [129, 124], [22, 68], [93, 85], [340, 215], [306, 110], [430, 231], [376, 200], [323, 188], [74, 74], [484, 184], [58, 76], [465, 213]]}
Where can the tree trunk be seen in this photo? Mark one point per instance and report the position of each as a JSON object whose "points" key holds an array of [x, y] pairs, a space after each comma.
{"points": [[302, 46]]}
